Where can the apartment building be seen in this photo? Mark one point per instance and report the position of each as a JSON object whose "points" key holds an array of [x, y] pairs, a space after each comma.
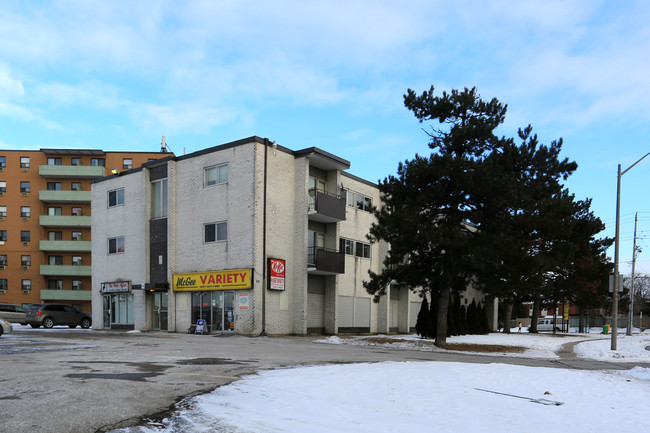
{"points": [[247, 237], [45, 221]]}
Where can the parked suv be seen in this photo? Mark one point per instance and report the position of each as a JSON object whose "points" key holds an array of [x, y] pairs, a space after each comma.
{"points": [[13, 313], [50, 315]]}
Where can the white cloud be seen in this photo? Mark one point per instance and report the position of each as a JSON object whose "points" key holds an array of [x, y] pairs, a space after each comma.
{"points": [[10, 88]]}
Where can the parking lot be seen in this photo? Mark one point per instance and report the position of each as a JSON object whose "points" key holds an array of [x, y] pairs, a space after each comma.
{"points": [[75, 380]]}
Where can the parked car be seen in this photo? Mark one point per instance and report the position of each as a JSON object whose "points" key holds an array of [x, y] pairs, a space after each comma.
{"points": [[546, 324], [5, 327], [13, 313], [50, 315]]}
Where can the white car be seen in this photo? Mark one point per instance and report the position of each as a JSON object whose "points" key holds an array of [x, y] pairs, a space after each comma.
{"points": [[546, 324], [5, 327]]}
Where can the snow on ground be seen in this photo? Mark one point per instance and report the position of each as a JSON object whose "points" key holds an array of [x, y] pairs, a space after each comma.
{"points": [[432, 396]]}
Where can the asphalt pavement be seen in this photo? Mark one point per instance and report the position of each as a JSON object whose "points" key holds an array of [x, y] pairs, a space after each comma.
{"points": [[73, 381]]}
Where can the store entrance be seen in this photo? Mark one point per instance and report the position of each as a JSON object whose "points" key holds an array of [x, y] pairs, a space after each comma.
{"points": [[118, 311], [159, 311], [216, 308]]}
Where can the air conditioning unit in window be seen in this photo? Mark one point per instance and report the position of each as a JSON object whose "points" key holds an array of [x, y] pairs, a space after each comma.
{"points": [[23, 168], [26, 291], [2, 217], [25, 268], [25, 218], [25, 194], [1, 193], [3, 267], [25, 243]]}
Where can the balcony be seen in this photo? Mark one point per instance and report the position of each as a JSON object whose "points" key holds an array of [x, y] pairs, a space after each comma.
{"points": [[66, 270], [66, 295], [50, 196], [321, 261], [72, 221], [326, 208], [65, 246], [71, 171]]}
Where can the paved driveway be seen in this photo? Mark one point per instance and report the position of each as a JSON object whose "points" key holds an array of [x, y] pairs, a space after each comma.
{"points": [[85, 381]]}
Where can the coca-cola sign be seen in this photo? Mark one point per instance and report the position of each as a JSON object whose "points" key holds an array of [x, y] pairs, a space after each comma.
{"points": [[277, 274]]}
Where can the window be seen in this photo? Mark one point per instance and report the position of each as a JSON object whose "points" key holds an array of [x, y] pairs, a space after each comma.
{"points": [[360, 201], [3, 260], [54, 236], [54, 211], [3, 235], [3, 211], [76, 161], [116, 197], [54, 161], [116, 245], [346, 246], [127, 163], [55, 284], [3, 186], [98, 162], [3, 284], [76, 211], [24, 162], [26, 285], [76, 186], [25, 211], [3, 162], [24, 187], [159, 199], [25, 235], [55, 260], [77, 260], [362, 250], [76, 285], [216, 175], [76, 236], [25, 260], [216, 232], [54, 186]]}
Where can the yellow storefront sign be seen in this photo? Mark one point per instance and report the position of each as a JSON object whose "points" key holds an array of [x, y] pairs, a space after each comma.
{"points": [[214, 280]]}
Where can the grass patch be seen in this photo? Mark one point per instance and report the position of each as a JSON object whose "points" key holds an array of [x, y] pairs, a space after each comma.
{"points": [[461, 347]]}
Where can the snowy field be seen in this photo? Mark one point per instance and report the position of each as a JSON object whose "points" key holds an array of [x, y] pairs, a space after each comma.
{"points": [[433, 396]]}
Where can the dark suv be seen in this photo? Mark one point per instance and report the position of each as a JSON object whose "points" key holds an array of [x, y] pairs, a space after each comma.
{"points": [[50, 315]]}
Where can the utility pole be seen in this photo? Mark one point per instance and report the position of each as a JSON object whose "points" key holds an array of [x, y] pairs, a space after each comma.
{"points": [[630, 316]]}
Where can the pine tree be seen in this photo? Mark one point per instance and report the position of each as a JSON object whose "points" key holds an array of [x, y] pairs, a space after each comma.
{"points": [[423, 326]]}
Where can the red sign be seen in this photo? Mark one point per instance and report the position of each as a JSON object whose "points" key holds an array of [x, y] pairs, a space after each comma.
{"points": [[277, 274]]}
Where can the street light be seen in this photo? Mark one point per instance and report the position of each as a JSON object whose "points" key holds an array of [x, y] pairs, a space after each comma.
{"points": [[616, 245]]}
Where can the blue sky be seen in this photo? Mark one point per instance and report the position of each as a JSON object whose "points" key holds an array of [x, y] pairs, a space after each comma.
{"points": [[117, 75]]}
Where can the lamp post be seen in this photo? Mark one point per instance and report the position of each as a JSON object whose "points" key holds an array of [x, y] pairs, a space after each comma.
{"points": [[616, 248]]}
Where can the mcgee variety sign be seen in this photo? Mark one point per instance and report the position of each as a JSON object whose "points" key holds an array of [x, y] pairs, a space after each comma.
{"points": [[214, 280]]}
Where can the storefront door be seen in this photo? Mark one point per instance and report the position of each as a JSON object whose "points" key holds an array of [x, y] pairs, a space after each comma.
{"points": [[118, 310], [159, 313], [216, 308]]}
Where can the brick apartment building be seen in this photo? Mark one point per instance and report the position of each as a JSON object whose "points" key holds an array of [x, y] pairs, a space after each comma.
{"points": [[45, 221], [248, 236]]}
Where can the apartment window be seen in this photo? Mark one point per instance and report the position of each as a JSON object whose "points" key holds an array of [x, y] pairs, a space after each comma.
{"points": [[76, 236], [3, 260], [3, 235], [76, 186], [159, 199], [26, 285], [24, 162], [3, 284], [362, 250], [77, 260], [76, 285], [116, 197], [116, 245], [55, 236], [127, 163], [25, 260], [25, 235], [55, 260], [3, 162], [360, 201], [346, 246], [216, 232], [76, 161], [76, 211], [3, 186], [25, 211], [54, 161], [54, 186], [97, 162], [216, 175], [24, 187], [54, 211], [3, 211], [55, 284]]}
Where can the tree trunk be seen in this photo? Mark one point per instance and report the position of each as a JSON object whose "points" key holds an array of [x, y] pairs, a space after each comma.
{"points": [[506, 319], [536, 309], [441, 329]]}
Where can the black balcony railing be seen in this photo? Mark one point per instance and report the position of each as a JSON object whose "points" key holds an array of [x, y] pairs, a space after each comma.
{"points": [[325, 261]]}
